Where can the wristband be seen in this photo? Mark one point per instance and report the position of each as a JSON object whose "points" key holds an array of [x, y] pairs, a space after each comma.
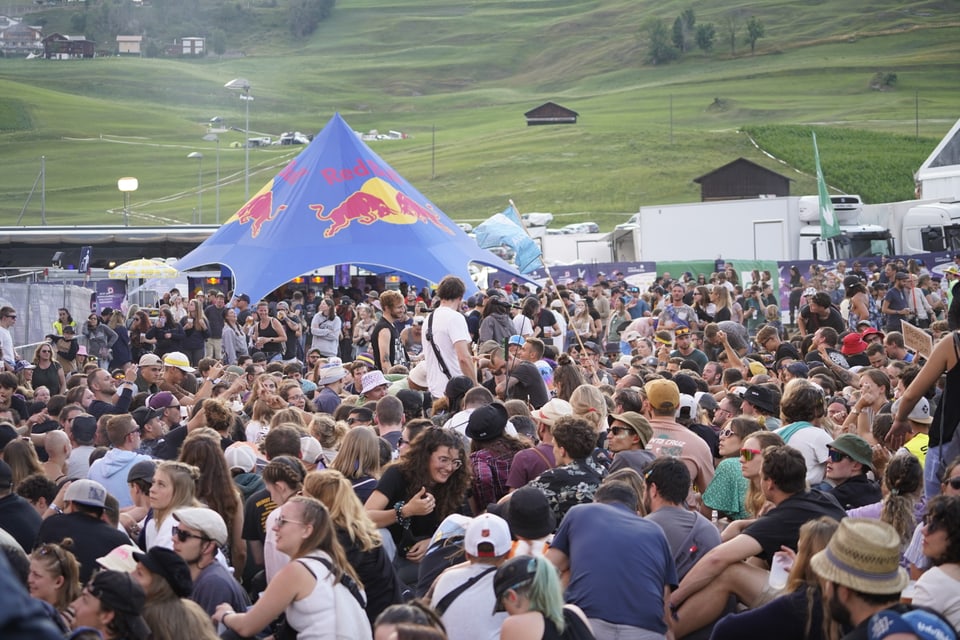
{"points": [[402, 520]]}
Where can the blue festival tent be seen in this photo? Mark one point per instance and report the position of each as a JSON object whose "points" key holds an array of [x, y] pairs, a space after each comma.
{"points": [[338, 203]]}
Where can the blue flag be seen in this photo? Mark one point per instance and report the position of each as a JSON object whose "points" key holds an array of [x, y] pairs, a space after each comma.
{"points": [[501, 229]]}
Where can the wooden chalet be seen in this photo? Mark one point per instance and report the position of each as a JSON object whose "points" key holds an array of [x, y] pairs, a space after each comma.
{"points": [[57, 46], [550, 113], [742, 179]]}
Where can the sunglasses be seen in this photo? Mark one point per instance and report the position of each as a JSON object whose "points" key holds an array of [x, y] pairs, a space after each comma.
{"points": [[837, 456], [281, 521], [750, 454], [183, 536], [726, 433], [953, 482], [618, 430], [48, 550], [12, 317]]}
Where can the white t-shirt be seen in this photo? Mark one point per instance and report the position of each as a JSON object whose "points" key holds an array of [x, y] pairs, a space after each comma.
{"points": [[522, 325], [6, 343], [470, 616], [273, 558], [812, 443], [449, 328]]}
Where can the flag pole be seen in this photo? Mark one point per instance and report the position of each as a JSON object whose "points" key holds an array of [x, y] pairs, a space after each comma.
{"points": [[550, 280]]}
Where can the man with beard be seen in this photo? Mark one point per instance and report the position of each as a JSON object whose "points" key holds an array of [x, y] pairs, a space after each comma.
{"points": [[199, 533], [725, 570], [388, 349], [861, 573]]}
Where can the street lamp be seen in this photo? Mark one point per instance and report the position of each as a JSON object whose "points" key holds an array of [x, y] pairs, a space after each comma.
{"points": [[126, 185], [212, 137], [243, 86], [196, 155]]}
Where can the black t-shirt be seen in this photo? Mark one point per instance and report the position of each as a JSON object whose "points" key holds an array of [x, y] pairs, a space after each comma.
{"points": [[375, 572], [814, 322], [393, 485], [858, 491], [20, 520], [397, 355], [255, 512], [709, 436], [786, 350], [781, 526], [529, 385], [168, 448], [92, 538]]}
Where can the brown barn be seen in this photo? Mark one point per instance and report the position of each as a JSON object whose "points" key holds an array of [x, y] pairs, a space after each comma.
{"points": [[742, 179], [57, 46], [551, 113]]}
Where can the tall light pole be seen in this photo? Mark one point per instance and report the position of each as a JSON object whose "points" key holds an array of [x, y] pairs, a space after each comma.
{"points": [[212, 137], [126, 186], [196, 155], [243, 86]]}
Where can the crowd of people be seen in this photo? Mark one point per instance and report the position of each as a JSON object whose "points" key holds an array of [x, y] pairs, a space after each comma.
{"points": [[567, 461]]}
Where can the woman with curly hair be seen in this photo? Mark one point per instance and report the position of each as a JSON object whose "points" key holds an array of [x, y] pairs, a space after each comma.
{"points": [[215, 487], [174, 486], [359, 538], [566, 377], [415, 493], [54, 574], [284, 479], [359, 460], [939, 587]]}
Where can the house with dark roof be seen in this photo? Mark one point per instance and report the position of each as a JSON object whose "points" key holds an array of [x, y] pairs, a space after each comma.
{"points": [[742, 179], [57, 46], [550, 113]]}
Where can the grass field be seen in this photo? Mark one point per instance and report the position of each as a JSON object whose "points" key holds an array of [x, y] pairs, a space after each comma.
{"points": [[470, 70]]}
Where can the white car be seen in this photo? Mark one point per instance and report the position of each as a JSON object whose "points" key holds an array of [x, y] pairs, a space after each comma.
{"points": [[581, 227], [537, 219], [631, 223]]}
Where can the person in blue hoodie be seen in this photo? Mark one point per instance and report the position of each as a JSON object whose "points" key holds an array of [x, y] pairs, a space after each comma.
{"points": [[111, 470]]}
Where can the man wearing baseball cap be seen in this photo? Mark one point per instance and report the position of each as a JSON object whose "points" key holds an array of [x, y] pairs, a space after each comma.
{"points": [[80, 517], [463, 595], [671, 438], [197, 536], [149, 373]]}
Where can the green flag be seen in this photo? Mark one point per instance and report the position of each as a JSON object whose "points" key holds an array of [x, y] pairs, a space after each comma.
{"points": [[828, 219]]}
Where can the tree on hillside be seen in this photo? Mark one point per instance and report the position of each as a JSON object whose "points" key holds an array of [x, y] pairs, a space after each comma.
{"points": [[755, 31], [679, 39], [689, 20], [218, 41], [305, 15], [660, 50], [731, 28], [706, 34]]}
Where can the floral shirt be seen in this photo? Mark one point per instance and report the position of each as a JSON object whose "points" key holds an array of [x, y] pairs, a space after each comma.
{"points": [[569, 485]]}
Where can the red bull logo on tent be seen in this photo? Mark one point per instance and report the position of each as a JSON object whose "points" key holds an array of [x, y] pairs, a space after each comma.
{"points": [[375, 201], [259, 210]]}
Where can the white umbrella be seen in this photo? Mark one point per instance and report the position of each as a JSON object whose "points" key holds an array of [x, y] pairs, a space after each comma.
{"points": [[142, 268]]}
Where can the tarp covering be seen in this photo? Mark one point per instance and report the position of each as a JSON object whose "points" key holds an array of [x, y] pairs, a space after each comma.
{"points": [[37, 305], [338, 202]]}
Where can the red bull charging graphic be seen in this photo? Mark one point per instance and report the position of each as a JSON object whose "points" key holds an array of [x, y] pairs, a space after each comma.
{"points": [[375, 201]]}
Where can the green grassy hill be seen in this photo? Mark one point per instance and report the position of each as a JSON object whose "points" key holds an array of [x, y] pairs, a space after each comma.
{"points": [[470, 70]]}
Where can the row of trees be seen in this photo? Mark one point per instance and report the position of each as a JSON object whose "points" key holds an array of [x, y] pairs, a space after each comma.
{"points": [[666, 45]]}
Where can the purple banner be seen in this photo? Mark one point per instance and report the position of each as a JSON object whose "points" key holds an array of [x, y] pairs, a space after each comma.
{"points": [[110, 293]]}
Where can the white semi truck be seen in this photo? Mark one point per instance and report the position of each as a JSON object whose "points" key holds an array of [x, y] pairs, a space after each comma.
{"points": [[785, 228]]}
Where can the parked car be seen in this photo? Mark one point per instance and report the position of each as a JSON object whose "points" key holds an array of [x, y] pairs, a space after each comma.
{"points": [[581, 227], [631, 223], [537, 219]]}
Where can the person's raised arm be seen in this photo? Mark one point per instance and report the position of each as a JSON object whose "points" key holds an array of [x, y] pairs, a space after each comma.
{"points": [[941, 359]]}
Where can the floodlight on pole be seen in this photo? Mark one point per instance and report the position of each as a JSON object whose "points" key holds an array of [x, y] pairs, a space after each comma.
{"points": [[126, 186], [196, 155], [243, 86], [212, 137]]}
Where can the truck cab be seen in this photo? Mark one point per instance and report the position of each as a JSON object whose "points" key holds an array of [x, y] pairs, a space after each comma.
{"points": [[855, 240]]}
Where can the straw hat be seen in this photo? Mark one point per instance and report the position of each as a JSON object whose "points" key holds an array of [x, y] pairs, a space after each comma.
{"points": [[864, 555]]}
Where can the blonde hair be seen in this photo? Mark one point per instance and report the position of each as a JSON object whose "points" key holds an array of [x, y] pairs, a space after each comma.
{"points": [[183, 478], [589, 404], [359, 454], [336, 493]]}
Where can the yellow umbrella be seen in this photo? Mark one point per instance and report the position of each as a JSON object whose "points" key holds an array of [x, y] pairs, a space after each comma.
{"points": [[142, 268]]}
